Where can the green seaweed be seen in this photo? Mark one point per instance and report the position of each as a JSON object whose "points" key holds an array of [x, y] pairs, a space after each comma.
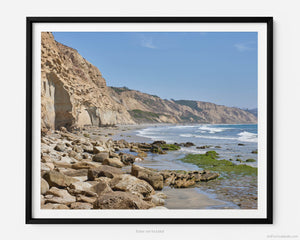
{"points": [[170, 147], [208, 161], [250, 160]]}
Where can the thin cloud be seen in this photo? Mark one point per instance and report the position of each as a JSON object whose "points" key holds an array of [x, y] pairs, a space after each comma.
{"points": [[243, 47], [147, 42]]}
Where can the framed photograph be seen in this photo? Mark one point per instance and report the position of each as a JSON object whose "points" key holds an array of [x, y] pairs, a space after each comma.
{"points": [[149, 120]]}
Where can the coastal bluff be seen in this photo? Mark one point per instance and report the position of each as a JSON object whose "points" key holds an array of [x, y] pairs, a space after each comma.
{"points": [[73, 91], [74, 94]]}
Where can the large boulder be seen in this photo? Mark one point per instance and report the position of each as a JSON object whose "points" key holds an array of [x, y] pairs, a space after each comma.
{"points": [[100, 157], [114, 162], [60, 196], [76, 173], [207, 175], [84, 198], [128, 183], [83, 186], [121, 200], [81, 205], [157, 149], [57, 179], [54, 206], [44, 186], [101, 187], [155, 179], [103, 171], [84, 165], [127, 158], [98, 149]]}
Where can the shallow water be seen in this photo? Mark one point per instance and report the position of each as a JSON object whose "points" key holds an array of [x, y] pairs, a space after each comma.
{"points": [[193, 198]]}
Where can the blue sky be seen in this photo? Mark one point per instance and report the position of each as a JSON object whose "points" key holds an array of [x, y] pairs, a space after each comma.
{"points": [[218, 67]]}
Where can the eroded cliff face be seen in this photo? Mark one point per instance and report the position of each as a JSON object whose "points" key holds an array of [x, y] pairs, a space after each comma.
{"points": [[73, 91]]}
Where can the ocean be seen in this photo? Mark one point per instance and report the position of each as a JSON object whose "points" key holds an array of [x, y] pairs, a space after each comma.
{"points": [[231, 141]]}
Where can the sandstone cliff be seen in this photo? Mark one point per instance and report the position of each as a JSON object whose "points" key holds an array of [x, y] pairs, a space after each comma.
{"points": [[74, 94], [73, 91], [149, 108]]}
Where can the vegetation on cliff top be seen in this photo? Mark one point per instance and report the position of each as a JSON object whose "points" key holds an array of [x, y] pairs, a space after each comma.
{"points": [[140, 115], [190, 103]]}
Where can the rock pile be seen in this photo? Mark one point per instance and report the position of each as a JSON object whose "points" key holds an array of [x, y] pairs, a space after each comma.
{"points": [[81, 173]]}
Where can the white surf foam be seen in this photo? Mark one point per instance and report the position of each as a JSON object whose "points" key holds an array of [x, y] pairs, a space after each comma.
{"points": [[210, 129], [205, 136], [182, 127], [247, 137]]}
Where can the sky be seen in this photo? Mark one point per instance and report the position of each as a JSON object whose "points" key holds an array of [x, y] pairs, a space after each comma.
{"points": [[218, 67]]}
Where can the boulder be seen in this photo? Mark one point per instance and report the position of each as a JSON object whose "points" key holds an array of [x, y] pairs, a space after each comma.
{"points": [[101, 187], [155, 179], [67, 160], [127, 158], [128, 183], [77, 149], [44, 186], [98, 149], [113, 154], [54, 206], [76, 192], [207, 176], [80, 186], [57, 179], [157, 149], [76, 173], [81, 205], [60, 196], [188, 144], [103, 171], [88, 148], [84, 165], [159, 142], [114, 162], [100, 157], [121, 200], [50, 165], [60, 147], [83, 198], [157, 200], [59, 164], [46, 158], [183, 182], [44, 167]]}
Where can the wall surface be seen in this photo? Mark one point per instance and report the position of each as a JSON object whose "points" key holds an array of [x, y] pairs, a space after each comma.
{"points": [[286, 115]]}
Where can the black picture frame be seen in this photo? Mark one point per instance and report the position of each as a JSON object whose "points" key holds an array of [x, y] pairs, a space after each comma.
{"points": [[29, 119]]}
